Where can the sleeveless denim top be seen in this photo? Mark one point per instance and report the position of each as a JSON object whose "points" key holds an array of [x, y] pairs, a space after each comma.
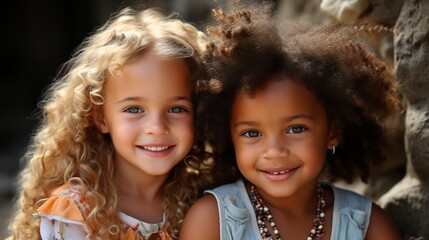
{"points": [[237, 219]]}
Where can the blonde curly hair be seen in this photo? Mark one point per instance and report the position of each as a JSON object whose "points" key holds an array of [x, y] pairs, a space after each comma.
{"points": [[68, 146]]}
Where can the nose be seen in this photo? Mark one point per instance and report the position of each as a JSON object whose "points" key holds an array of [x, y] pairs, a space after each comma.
{"points": [[156, 124], [275, 147]]}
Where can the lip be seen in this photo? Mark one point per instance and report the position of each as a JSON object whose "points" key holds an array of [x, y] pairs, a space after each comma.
{"points": [[157, 150], [279, 174]]}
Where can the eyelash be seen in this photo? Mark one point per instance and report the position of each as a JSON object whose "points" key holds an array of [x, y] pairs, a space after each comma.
{"points": [[247, 134], [176, 109], [182, 109], [301, 129], [132, 110], [291, 130]]}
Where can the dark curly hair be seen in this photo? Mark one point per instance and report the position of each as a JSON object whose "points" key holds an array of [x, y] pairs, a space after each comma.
{"points": [[358, 90]]}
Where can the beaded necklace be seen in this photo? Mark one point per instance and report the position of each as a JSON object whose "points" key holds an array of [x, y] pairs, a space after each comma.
{"points": [[263, 215]]}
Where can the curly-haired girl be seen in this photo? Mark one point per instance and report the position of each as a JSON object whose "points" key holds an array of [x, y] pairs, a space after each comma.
{"points": [[294, 112], [115, 156]]}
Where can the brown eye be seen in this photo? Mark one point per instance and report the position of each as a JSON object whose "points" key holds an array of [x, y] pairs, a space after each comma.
{"points": [[296, 130], [251, 134]]}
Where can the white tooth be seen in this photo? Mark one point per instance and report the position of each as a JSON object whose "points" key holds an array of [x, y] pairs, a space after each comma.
{"points": [[281, 172], [155, 149]]}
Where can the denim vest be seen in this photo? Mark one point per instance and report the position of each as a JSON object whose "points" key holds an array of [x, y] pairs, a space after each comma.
{"points": [[237, 219]]}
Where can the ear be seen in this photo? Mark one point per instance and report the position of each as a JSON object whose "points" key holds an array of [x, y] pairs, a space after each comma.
{"points": [[99, 121], [334, 135]]}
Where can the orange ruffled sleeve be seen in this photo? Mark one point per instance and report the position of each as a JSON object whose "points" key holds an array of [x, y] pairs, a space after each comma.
{"points": [[61, 206], [132, 235]]}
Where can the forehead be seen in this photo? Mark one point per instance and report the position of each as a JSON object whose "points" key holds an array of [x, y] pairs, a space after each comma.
{"points": [[150, 64], [281, 96], [150, 75]]}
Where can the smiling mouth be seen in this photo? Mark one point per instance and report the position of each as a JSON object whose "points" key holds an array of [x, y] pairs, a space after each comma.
{"points": [[281, 172], [156, 149]]}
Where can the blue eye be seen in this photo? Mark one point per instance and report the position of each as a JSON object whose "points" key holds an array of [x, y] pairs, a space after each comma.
{"points": [[133, 110], [251, 134], [177, 110], [296, 130]]}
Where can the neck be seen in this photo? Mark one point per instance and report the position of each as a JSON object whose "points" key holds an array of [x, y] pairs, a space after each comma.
{"points": [[300, 203], [134, 182], [146, 191], [267, 214], [140, 194], [141, 198]]}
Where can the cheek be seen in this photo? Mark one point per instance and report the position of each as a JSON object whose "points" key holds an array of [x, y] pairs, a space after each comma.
{"points": [[244, 153], [185, 129], [246, 158], [189, 134], [124, 133], [124, 126], [187, 124], [310, 151]]}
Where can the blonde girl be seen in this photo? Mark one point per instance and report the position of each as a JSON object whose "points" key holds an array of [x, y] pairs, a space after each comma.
{"points": [[115, 155]]}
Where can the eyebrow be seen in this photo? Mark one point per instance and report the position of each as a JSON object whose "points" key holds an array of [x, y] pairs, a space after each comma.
{"points": [[130, 99], [286, 119]]}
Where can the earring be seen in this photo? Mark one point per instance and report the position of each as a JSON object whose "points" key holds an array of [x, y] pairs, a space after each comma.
{"points": [[333, 150]]}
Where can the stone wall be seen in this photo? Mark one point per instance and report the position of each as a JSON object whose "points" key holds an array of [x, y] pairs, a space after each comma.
{"points": [[407, 201]]}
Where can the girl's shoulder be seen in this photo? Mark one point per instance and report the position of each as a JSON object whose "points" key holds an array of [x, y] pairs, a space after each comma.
{"points": [[357, 217], [67, 203], [351, 214], [232, 196], [65, 211], [345, 198], [202, 220], [227, 189]]}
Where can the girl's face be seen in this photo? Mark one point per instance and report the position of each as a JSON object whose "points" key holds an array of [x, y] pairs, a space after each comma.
{"points": [[281, 135], [148, 113]]}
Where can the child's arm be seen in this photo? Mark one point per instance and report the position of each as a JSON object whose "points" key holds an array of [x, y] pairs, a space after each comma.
{"points": [[381, 226], [202, 221]]}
